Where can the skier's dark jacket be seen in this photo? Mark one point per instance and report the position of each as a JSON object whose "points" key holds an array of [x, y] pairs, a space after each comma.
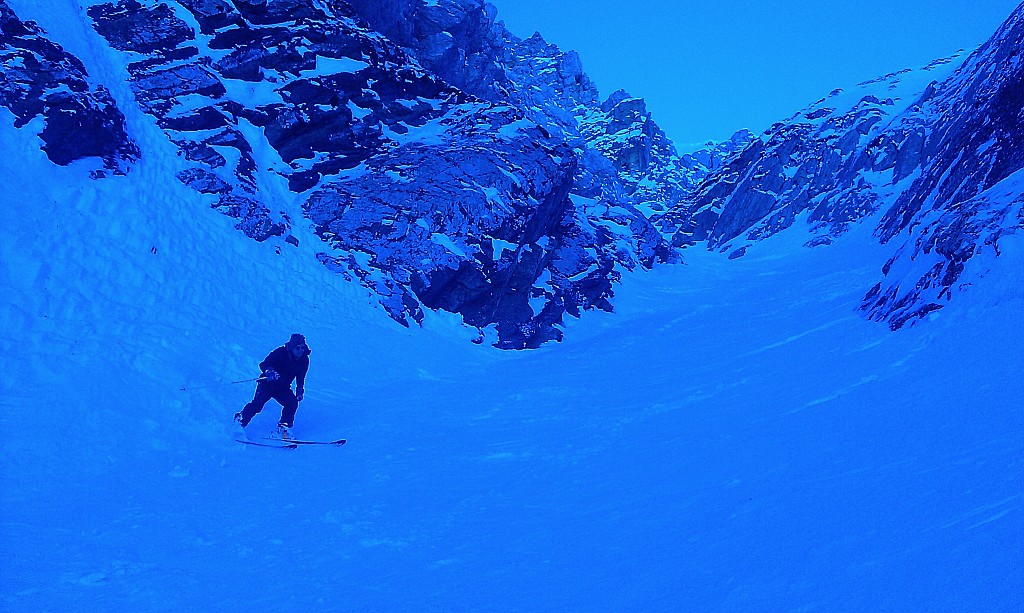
{"points": [[289, 369]]}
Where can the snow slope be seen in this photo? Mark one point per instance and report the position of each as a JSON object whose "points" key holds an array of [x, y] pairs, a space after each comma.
{"points": [[735, 437]]}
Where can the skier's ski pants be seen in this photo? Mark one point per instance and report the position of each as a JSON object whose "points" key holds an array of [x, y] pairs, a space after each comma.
{"points": [[264, 393]]}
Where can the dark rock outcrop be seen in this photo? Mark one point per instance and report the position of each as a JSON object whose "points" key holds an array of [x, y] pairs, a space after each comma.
{"points": [[39, 79]]}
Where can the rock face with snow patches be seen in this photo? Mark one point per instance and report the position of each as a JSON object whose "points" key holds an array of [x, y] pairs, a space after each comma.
{"points": [[829, 165], [932, 152], [445, 163], [39, 79], [425, 177], [970, 187], [625, 158]]}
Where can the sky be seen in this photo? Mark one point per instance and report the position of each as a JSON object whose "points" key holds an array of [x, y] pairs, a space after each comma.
{"points": [[708, 69]]}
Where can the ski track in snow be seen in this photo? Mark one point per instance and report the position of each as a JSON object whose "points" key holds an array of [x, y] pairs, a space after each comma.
{"points": [[735, 437]]}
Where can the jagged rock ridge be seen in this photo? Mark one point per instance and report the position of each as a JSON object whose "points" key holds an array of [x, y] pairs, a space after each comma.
{"points": [[929, 154]]}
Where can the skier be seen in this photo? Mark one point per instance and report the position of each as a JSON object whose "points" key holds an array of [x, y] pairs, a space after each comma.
{"points": [[282, 366]]}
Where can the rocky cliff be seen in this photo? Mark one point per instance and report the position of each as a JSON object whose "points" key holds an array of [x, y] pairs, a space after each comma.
{"points": [[968, 135], [931, 157], [445, 163], [40, 82]]}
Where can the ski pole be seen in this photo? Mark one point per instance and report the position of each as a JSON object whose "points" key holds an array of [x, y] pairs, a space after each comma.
{"points": [[199, 387]]}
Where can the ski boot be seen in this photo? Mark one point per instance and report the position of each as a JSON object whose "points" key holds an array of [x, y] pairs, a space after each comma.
{"points": [[284, 432]]}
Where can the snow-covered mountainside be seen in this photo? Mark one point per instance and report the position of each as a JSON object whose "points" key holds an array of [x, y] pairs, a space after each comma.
{"points": [[932, 157], [40, 79], [498, 187], [736, 437], [431, 189], [422, 149]]}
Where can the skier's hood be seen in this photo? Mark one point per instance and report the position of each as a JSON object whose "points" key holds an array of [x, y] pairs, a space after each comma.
{"points": [[298, 339]]}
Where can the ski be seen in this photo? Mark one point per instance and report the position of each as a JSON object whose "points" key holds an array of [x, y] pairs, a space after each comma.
{"points": [[283, 445], [293, 441]]}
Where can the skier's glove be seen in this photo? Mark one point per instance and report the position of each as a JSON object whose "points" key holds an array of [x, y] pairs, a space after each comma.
{"points": [[298, 394], [271, 375]]}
